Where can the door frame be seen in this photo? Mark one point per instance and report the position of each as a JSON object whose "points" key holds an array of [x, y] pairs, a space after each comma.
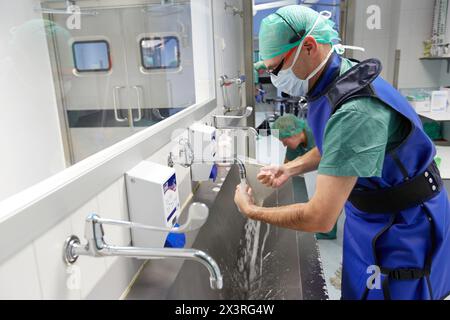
{"points": [[55, 64], [55, 61]]}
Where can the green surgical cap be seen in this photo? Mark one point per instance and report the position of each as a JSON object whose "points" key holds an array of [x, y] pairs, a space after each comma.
{"points": [[288, 126], [275, 33]]}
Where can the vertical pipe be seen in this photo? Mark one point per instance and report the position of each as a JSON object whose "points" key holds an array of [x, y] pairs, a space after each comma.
{"points": [[396, 68], [343, 20], [348, 13], [248, 66]]}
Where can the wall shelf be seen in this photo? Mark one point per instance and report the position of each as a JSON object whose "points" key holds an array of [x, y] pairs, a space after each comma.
{"points": [[440, 59], [443, 145], [444, 154], [436, 116]]}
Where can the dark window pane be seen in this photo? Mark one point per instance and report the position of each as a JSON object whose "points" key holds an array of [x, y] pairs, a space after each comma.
{"points": [[91, 56], [160, 53]]}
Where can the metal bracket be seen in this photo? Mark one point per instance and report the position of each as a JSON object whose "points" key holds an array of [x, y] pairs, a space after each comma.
{"points": [[68, 254]]}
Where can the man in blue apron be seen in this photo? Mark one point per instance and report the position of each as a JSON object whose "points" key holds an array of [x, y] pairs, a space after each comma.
{"points": [[373, 158]]}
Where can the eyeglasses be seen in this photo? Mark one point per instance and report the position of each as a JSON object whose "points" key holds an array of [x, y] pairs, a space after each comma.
{"points": [[280, 66], [277, 69]]}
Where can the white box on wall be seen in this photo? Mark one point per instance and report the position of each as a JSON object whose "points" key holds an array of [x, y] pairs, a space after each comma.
{"points": [[439, 100], [153, 200]]}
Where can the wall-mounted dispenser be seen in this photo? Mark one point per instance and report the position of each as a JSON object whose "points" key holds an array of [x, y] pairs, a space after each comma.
{"points": [[202, 139], [152, 200]]}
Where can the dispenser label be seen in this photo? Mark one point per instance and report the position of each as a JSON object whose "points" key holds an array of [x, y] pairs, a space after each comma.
{"points": [[171, 184], [171, 201]]}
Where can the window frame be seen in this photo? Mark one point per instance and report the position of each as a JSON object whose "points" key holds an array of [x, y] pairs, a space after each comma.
{"points": [[94, 70]]}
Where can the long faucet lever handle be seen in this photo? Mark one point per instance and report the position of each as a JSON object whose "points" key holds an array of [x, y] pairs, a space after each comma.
{"points": [[134, 225]]}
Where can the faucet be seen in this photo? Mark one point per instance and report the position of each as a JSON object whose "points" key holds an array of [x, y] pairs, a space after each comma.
{"points": [[225, 82], [303, 108], [97, 247], [187, 162], [248, 112], [241, 166], [251, 129]]}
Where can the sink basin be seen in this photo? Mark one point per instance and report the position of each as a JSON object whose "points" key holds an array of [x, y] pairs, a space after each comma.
{"points": [[258, 261]]}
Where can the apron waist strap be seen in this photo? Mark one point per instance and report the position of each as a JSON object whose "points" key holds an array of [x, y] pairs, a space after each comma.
{"points": [[410, 193]]}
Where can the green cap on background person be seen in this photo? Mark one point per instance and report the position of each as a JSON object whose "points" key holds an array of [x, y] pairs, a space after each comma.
{"points": [[288, 126]]}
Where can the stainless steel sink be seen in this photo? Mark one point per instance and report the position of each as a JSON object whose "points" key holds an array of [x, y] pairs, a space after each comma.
{"points": [[258, 261]]}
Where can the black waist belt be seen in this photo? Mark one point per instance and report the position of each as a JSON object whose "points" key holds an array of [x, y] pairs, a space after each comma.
{"points": [[409, 194], [405, 274]]}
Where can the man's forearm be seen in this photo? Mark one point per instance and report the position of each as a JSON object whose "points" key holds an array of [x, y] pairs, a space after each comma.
{"points": [[318, 215], [294, 217], [307, 163]]}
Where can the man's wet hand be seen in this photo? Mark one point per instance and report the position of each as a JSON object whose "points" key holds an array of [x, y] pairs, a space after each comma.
{"points": [[244, 199], [273, 176]]}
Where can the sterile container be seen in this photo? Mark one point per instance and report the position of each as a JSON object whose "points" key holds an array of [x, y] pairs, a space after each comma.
{"points": [[420, 101]]}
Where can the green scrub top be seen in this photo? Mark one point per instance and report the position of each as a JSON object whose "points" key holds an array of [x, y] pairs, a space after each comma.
{"points": [[358, 136], [301, 150]]}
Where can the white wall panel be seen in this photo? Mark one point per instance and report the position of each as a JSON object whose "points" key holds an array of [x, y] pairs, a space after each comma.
{"points": [[19, 277]]}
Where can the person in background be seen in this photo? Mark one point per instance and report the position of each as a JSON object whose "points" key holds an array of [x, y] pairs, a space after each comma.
{"points": [[258, 68], [298, 138]]}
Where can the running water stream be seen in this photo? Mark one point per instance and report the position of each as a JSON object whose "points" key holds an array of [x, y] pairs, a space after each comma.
{"points": [[252, 256]]}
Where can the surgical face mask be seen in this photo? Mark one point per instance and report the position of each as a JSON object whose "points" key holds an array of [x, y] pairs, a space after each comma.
{"points": [[287, 81]]}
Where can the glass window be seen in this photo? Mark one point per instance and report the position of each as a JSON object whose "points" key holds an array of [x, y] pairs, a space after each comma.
{"points": [[82, 75], [160, 53], [91, 56]]}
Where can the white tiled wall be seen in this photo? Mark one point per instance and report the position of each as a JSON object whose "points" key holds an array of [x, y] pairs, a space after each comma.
{"points": [[376, 42], [38, 272], [57, 280], [113, 204], [405, 24], [415, 24], [19, 277]]}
